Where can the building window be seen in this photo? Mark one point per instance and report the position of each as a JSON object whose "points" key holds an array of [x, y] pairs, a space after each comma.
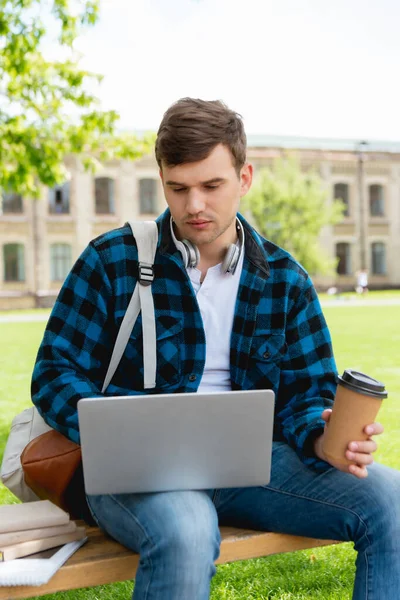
{"points": [[60, 261], [14, 262], [104, 196], [343, 256], [341, 192], [376, 201], [148, 196], [378, 258], [11, 203], [59, 199]]}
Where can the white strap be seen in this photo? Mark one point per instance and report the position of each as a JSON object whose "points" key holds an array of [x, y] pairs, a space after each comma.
{"points": [[123, 336], [146, 240], [146, 235]]}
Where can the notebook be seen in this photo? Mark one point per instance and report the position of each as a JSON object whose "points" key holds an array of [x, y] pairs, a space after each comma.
{"points": [[165, 442], [39, 568], [32, 515], [16, 537], [29, 547]]}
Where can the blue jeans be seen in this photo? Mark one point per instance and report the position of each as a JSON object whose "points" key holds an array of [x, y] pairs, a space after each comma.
{"points": [[177, 536]]}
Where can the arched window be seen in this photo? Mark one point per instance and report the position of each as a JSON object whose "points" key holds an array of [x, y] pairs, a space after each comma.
{"points": [[60, 261], [11, 203], [341, 192], [59, 199], [378, 258], [148, 196], [376, 200], [343, 254], [14, 262], [104, 196]]}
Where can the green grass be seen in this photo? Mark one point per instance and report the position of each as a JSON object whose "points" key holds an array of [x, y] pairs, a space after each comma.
{"points": [[19, 343], [366, 338]]}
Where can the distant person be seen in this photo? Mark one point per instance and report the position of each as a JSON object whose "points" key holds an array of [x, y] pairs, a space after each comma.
{"points": [[332, 291], [233, 312], [362, 281]]}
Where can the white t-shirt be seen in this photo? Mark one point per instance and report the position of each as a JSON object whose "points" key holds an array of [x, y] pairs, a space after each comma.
{"points": [[216, 297], [362, 278]]}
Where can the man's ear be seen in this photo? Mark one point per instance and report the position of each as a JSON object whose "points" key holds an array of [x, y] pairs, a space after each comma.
{"points": [[161, 174], [246, 178]]}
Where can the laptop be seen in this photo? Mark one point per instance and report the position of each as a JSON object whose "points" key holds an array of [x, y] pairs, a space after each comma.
{"points": [[166, 442]]}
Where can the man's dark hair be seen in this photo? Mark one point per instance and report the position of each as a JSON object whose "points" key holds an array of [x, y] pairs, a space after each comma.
{"points": [[191, 128]]}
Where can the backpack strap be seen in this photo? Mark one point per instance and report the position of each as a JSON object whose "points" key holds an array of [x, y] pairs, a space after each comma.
{"points": [[146, 236]]}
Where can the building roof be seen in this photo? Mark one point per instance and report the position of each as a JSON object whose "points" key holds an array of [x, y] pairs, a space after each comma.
{"points": [[311, 143], [257, 140]]}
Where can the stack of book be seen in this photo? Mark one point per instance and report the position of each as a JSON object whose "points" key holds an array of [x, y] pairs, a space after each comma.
{"points": [[30, 528]]}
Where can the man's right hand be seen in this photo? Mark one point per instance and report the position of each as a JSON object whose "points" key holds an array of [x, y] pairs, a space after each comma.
{"points": [[360, 452]]}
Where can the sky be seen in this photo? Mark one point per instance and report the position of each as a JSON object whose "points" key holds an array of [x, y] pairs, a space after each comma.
{"points": [[315, 68]]}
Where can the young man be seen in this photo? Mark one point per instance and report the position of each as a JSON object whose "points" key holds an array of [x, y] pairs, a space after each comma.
{"points": [[233, 311]]}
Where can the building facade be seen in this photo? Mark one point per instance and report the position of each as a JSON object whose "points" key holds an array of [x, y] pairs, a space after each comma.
{"points": [[41, 239]]}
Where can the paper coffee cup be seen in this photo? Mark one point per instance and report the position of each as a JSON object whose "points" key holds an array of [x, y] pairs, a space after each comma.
{"points": [[357, 402]]}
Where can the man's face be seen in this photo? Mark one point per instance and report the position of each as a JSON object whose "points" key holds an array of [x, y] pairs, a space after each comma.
{"points": [[204, 197]]}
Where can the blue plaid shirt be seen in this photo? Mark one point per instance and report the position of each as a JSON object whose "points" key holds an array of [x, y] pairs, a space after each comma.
{"points": [[279, 338]]}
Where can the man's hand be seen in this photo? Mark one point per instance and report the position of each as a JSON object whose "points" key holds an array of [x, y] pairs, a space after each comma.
{"points": [[359, 452]]}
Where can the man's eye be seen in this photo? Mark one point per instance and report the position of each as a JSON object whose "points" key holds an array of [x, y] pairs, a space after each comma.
{"points": [[178, 190], [211, 187]]}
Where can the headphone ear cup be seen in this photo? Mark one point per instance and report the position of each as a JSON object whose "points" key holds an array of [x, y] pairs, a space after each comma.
{"points": [[193, 254], [189, 252], [184, 252], [231, 259]]}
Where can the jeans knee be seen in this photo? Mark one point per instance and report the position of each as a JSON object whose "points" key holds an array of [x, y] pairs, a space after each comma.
{"points": [[382, 506], [191, 543], [389, 497]]}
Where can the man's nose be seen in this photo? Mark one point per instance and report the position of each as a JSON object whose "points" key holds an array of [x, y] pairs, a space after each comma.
{"points": [[195, 202]]}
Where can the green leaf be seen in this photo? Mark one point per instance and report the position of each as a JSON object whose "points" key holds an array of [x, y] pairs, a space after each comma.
{"points": [[38, 98], [290, 207]]}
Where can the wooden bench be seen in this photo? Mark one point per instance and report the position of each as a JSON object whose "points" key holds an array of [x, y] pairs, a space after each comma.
{"points": [[102, 560]]}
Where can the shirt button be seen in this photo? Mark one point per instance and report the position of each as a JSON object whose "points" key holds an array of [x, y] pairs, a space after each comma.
{"points": [[192, 377], [267, 354]]}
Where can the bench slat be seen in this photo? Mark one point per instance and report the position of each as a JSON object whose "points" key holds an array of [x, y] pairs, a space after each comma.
{"points": [[102, 560], [242, 544]]}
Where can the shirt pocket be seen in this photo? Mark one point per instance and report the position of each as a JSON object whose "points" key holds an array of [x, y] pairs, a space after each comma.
{"points": [[168, 347], [266, 354], [269, 347]]}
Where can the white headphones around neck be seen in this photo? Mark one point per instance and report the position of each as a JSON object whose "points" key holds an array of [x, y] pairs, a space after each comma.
{"points": [[191, 255]]}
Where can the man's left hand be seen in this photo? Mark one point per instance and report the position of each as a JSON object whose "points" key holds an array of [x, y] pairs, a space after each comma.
{"points": [[359, 452]]}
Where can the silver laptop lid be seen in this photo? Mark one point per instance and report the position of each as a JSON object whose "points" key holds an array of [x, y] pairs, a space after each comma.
{"points": [[153, 443]]}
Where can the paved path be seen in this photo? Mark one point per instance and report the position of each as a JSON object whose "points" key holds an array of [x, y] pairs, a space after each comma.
{"points": [[26, 318], [361, 302]]}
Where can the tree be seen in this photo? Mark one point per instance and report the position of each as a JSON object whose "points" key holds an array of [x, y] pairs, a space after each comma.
{"points": [[46, 109], [290, 207]]}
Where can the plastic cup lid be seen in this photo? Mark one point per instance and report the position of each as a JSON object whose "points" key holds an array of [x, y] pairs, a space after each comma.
{"points": [[363, 384]]}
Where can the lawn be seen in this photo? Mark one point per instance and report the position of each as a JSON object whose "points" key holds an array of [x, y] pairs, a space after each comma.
{"points": [[366, 338]]}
